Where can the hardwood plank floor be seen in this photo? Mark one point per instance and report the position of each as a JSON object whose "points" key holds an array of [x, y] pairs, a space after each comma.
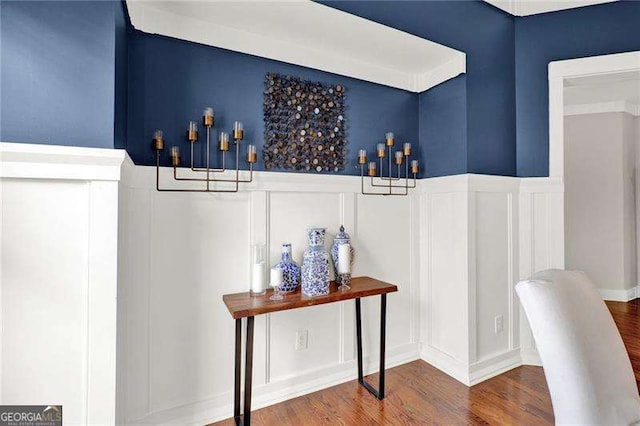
{"points": [[418, 393]]}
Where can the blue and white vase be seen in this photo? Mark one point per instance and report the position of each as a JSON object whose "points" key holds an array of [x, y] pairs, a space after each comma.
{"points": [[290, 270], [341, 238], [315, 265]]}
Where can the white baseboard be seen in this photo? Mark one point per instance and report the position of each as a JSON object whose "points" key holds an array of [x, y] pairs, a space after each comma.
{"points": [[445, 363], [488, 368], [220, 407], [530, 356], [619, 295], [474, 373]]}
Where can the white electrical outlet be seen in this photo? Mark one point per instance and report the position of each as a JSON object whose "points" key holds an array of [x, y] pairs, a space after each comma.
{"points": [[302, 340], [499, 324]]}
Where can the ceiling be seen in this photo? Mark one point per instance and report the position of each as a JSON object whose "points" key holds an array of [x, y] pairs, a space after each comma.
{"points": [[296, 31], [533, 7]]}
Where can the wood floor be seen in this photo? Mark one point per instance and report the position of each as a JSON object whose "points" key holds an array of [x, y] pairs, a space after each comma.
{"points": [[418, 393]]}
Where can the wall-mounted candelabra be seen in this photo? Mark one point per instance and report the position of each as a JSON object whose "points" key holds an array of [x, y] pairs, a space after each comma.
{"points": [[393, 185], [205, 173]]}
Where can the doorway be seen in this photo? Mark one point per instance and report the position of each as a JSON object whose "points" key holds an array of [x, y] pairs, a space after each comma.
{"points": [[600, 152]]}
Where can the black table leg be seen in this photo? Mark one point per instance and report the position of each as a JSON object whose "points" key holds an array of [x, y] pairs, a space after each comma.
{"points": [[383, 319], [238, 373], [245, 419], [359, 340], [248, 372]]}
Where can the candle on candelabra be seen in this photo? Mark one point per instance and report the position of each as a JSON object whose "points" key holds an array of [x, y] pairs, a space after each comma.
{"points": [[414, 167], [192, 132], [381, 150], [344, 259], [407, 149], [158, 141], [224, 141], [399, 157], [372, 168], [362, 156], [390, 138], [252, 155], [175, 156], [207, 117], [238, 130]]}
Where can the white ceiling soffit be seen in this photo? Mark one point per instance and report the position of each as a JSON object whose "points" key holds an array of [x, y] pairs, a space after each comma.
{"points": [[533, 7], [305, 33]]}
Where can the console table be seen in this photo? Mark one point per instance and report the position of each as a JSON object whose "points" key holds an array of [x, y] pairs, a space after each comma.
{"points": [[243, 305]]}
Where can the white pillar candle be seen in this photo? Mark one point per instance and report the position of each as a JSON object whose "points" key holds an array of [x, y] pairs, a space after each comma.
{"points": [[257, 277], [276, 277], [344, 259]]}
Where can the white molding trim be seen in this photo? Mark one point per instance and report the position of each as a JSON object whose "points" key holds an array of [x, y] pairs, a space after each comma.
{"points": [[494, 366], [595, 65], [530, 356], [602, 108], [365, 57], [34, 161], [558, 71], [48, 167], [143, 177], [530, 7], [616, 295]]}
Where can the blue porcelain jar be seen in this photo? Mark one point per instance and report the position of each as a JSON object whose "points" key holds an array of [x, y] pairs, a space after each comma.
{"points": [[290, 270], [315, 265], [341, 238]]}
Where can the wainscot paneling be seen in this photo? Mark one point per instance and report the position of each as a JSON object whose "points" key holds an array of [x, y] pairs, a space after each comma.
{"points": [[479, 235], [455, 247], [541, 242], [180, 252], [58, 240]]}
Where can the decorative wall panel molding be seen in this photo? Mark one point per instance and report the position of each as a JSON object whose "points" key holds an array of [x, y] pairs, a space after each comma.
{"points": [[59, 209], [192, 381], [453, 279], [308, 34]]}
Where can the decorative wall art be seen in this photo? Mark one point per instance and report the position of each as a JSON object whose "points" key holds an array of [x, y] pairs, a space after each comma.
{"points": [[304, 125]]}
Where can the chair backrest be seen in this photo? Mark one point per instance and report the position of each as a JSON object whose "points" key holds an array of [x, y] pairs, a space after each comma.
{"points": [[587, 367]]}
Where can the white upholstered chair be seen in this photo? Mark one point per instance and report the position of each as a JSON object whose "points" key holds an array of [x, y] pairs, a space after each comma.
{"points": [[587, 367]]}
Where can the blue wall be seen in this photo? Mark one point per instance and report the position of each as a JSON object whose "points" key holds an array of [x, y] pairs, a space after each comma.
{"points": [[486, 35], [122, 25], [443, 128], [74, 73], [171, 81], [57, 65], [540, 39]]}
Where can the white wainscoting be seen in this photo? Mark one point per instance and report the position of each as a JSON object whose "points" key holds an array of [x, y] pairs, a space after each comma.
{"points": [[455, 247], [541, 242], [479, 236], [58, 242], [180, 252]]}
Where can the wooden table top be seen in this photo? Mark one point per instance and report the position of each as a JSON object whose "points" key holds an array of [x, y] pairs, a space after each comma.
{"points": [[243, 305]]}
